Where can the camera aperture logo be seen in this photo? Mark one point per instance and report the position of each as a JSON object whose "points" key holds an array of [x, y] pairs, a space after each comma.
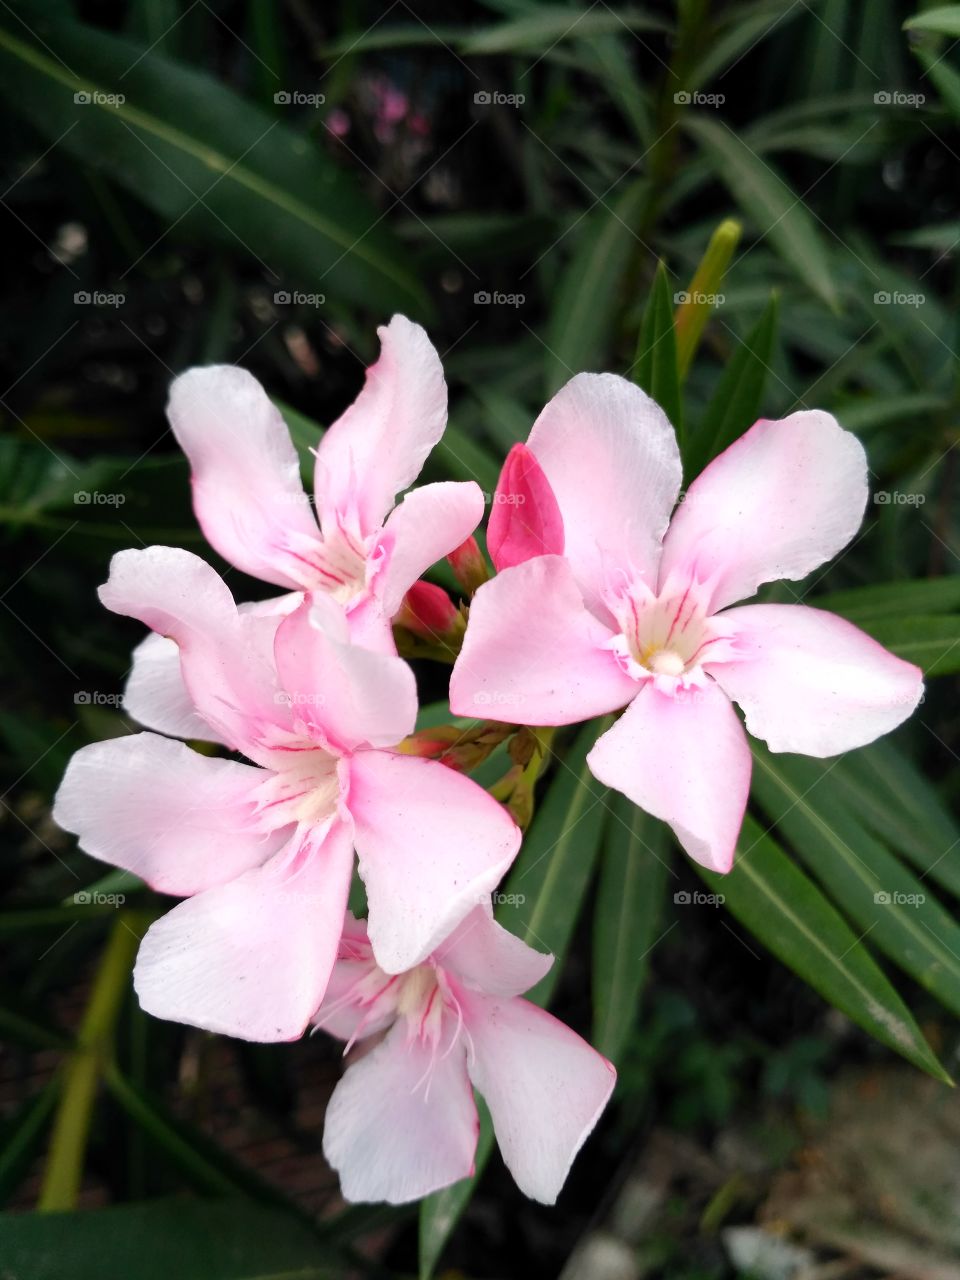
{"points": [[94, 898]]}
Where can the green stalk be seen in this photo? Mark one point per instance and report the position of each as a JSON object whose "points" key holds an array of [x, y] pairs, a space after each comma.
{"points": [[82, 1072]]}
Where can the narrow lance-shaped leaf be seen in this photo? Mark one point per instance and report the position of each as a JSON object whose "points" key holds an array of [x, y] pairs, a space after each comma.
{"points": [[763, 196], [898, 912], [698, 301], [655, 367], [589, 299], [205, 159], [785, 910], [736, 403], [540, 903], [634, 872]]}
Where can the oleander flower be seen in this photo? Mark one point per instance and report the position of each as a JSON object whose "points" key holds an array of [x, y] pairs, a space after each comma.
{"points": [[263, 851], [604, 602], [361, 548], [402, 1122]]}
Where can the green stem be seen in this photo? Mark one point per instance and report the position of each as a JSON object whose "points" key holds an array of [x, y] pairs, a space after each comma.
{"points": [[84, 1068]]}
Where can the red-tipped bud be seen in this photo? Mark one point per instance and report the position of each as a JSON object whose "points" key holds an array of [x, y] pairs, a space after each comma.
{"points": [[525, 520], [469, 566], [429, 613]]}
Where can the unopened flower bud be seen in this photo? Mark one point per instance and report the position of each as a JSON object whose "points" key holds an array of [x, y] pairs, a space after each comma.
{"points": [[469, 565], [428, 612]]}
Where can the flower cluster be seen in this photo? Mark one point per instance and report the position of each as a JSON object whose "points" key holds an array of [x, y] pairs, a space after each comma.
{"points": [[600, 602]]}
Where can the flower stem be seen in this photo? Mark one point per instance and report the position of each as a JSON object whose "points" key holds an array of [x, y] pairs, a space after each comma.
{"points": [[83, 1069]]}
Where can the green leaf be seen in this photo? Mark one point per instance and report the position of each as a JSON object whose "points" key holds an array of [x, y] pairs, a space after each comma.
{"points": [[20, 1137], [893, 599], [896, 801], [200, 155], [769, 203], [944, 21], [886, 900], [655, 368], [541, 901], [633, 877], [932, 642], [440, 1213], [548, 882], [695, 306], [942, 75], [589, 297], [549, 24], [202, 1162], [154, 1240], [736, 402], [786, 911]]}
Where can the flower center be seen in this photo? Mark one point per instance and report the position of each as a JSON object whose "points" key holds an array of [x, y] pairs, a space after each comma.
{"points": [[305, 788], [664, 636], [336, 563]]}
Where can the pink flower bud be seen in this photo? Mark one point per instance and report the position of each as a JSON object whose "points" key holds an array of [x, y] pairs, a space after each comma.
{"points": [[469, 565], [429, 612], [525, 520]]}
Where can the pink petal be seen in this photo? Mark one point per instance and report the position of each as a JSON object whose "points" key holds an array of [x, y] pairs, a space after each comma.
{"points": [[402, 1122], [783, 499], [811, 682], [684, 758], [612, 461], [533, 654], [430, 522], [546, 1088], [485, 956], [155, 695], [525, 520], [347, 695], [225, 658], [378, 446], [252, 958], [181, 821], [431, 845], [247, 491]]}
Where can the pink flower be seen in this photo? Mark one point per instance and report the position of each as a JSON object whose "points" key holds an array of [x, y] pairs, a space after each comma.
{"points": [[635, 613], [402, 1122], [263, 852], [366, 552]]}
